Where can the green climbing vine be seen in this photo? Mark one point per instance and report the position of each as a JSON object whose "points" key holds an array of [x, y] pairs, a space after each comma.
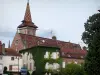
{"points": [[38, 53]]}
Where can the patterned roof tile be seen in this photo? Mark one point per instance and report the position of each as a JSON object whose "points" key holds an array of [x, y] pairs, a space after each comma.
{"points": [[74, 50]]}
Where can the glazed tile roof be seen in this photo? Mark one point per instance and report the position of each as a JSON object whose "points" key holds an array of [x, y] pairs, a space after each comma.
{"points": [[27, 16], [74, 53], [34, 41], [27, 22], [72, 49]]}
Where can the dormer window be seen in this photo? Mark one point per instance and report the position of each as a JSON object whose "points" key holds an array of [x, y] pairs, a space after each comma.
{"points": [[43, 41], [68, 55], [81, 56]]}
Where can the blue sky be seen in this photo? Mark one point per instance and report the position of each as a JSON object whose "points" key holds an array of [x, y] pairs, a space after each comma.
{"points": [[65, 18]]}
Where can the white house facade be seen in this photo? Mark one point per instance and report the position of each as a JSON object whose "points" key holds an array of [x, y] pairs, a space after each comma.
{"points": [[9, 58], [13, 63]]}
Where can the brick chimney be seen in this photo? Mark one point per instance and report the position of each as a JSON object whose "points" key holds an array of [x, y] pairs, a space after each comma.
{"points": [[3, 48], [0, 43]]}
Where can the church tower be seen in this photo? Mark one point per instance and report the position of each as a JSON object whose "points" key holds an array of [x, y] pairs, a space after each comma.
{"points": [[27, 26]]}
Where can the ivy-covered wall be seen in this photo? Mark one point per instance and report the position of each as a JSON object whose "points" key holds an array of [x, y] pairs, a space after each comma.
{"points": [[38, 53]]}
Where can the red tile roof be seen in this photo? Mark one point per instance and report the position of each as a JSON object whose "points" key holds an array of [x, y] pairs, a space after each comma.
{"points": [[71, 53], [27, 22], [27, 16], [70, 48], [34, 41], [11, 52], [8, 51]]}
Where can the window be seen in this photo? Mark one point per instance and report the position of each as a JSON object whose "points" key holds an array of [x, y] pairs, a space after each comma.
{"points": [[12, 58], [43, 41], [10, 67], [46, 55], [81, 56], [63, 53]]}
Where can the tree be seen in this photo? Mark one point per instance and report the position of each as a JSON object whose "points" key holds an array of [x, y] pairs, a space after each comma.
{"points": [[73, 69], [91, 37]]}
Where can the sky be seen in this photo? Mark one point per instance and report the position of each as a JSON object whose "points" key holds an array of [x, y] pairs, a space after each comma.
{"points": [[65, 18]]}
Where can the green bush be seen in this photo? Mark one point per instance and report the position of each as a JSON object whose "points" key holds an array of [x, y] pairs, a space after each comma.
{"points": [[73, 69]]}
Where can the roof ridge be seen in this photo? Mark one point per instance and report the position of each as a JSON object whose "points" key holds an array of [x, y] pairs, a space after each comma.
{"points": [[45, 38]]}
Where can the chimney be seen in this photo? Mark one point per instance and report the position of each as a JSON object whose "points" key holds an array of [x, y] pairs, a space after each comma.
{"points": [[3, 48], [0, 43], [54, 38]]}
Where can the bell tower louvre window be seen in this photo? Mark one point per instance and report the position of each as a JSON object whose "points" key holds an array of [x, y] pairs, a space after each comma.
{"points": [[27, 26]]}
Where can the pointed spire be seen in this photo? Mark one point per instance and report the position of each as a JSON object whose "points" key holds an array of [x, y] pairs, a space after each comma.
{"points": [[27, 16], [27, 1], [9, 44], [27, 22]]}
